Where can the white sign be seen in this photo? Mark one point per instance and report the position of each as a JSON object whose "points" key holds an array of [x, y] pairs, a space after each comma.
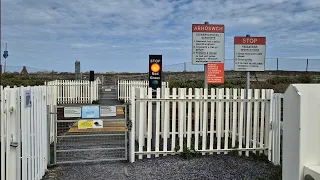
{"points": [[108, 111], [72, 112], [207, 43], [249, 53], [97, 124], [27, 98]]}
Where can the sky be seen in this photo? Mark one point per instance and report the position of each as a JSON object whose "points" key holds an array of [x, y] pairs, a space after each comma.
{"points": [[119, 35]]}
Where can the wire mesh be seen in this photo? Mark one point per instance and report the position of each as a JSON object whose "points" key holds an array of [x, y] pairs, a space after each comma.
{"points": [[74, 144], [281, 64]]}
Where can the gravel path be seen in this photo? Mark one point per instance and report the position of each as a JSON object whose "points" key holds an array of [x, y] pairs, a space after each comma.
{"points": [[219, 167]]}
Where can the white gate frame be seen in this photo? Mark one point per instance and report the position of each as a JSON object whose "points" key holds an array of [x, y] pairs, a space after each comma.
{"points": [[24, 136]]}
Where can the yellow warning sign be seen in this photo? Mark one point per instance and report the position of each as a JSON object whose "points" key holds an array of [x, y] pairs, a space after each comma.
{"points": [[85, 124]]}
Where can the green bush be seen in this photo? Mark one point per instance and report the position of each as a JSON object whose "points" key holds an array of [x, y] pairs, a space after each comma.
{"points": [[280, 80], [290, 80], [304, 79], [11, 80]]}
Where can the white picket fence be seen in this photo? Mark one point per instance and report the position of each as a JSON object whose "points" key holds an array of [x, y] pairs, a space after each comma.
{"points": [[70, 92], [125, 88], [74, 91], [24, 133], [208, 120]]}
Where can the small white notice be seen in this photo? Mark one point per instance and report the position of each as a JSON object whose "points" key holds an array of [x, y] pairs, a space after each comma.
{"points": [[107, 111], [27, 98], [97, 124], [207, 43], [72, 112], [249, 53]]}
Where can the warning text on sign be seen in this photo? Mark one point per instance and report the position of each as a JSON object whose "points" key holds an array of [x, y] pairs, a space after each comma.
{"points": [[207, 43], [249, 54], [215, 73]]}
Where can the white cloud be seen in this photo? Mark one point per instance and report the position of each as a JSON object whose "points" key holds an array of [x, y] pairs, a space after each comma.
{"points": [[105, 34]]}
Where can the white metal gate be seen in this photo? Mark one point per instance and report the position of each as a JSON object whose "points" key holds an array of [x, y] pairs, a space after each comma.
{"points": [[90, 140]]}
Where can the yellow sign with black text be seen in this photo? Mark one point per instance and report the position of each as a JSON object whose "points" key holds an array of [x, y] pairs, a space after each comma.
{"points": [[85, 124]]}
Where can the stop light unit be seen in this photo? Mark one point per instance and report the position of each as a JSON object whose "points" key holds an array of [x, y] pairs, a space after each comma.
{"points": [[155, 69]]}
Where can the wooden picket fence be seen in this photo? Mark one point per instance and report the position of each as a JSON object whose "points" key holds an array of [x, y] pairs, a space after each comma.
{"points": [[206, 120], [24, 133], [125, 88]]}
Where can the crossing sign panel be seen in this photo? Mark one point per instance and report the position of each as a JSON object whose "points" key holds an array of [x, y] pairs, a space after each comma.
{"points": [[249, 53], [207, 43]]}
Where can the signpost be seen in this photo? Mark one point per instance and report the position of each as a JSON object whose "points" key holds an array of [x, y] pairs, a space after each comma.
{"points": [[207, 45], [5, 55], [249, 55]]}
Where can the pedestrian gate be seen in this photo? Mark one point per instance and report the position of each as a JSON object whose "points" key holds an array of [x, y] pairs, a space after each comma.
{"points": [[90, 134]]}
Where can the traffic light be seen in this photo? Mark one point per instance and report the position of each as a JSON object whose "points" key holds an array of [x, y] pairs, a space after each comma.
{"points": [[155, 69]]}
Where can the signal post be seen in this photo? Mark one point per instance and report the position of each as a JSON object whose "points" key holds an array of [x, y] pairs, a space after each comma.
{"points": [[155, 81]]}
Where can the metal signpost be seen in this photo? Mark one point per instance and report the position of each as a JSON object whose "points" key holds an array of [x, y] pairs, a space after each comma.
{"points": [[5, 55], [249, 55], [207, 45]]}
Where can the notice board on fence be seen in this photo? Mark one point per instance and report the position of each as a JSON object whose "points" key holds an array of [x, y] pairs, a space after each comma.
{"points": [[215, 73]]}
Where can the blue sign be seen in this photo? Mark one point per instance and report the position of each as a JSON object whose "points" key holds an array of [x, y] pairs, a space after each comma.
{"points": [[90, 112], [5, 54]]}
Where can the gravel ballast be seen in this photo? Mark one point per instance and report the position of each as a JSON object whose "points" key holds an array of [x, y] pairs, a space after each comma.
{"points": [[219, 167]]}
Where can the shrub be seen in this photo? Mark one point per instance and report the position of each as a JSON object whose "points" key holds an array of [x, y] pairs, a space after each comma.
{"points": [[280, 80], [304, 79]]}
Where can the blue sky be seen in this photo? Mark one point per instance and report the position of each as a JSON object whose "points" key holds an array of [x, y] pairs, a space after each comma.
{"points": [[119, 35]]}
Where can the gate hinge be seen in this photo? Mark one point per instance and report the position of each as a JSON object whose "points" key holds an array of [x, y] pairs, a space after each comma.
{"points": [[129, 125]]}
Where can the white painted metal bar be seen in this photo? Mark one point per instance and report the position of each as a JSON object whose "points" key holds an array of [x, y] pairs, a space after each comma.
{"points": [[205, 121], [255, 118], [226, 129], [149, 122], [189, 118], [157, 122], [166, 122], [248, 122], [212, 119], [174, 120], [196, 109], [234, 118], [240, 117]]}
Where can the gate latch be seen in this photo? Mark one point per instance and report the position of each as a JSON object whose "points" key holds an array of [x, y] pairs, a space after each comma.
{"points": [[13, 144], [129, 125]]}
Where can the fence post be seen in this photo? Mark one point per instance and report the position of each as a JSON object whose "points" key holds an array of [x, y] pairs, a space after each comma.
{"points": [[133, 127], [48, 133], [307, 65], [2, 135]]}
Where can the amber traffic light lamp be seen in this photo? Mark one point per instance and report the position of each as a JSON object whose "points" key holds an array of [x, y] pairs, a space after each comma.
{"points": [[155, 69]]}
